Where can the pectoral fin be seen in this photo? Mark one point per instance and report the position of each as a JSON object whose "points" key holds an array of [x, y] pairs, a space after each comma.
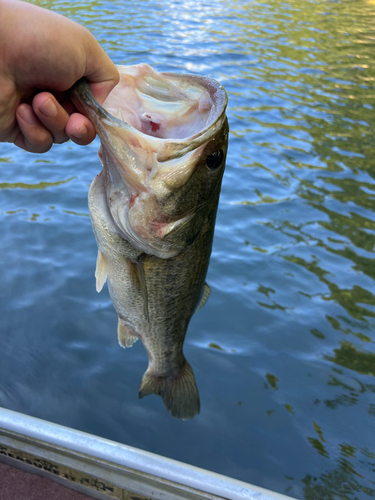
{"points": [[125, 338], [137, 271], [142, 279], [204, 297], [101, 271]]}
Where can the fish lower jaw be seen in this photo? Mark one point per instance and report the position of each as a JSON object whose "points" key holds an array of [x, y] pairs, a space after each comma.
{"points": [[150, 237], [149, 243], [160, 251]]}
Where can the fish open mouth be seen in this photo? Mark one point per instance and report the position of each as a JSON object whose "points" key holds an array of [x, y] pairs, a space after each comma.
{"points": [[169, 114], [166, 105]]}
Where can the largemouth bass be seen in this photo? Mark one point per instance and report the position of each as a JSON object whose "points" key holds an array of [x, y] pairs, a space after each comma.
{"points": [[164, 140]]}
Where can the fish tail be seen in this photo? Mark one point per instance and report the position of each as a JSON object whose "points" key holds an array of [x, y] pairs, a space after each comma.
{"points": [[179, 391]]}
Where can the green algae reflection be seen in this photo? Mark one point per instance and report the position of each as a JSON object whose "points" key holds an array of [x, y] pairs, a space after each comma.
{"points": [[213, 345], [39, 185], [272, 380], [349, 299], [349, 357], [341, 481]]}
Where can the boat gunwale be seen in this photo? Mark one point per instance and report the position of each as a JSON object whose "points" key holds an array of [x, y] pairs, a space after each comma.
{"points": [[103, 454]]}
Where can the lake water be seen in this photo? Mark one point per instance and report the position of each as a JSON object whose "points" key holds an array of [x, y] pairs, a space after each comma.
{"points": [[283, 352]]}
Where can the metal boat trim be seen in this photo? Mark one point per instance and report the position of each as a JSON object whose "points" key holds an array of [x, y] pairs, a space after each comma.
{"points": [[105, 469]]}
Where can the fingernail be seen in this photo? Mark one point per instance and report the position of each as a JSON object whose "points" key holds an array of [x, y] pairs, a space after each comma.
{"points": [[49, 109], [81, 132], [27, 115]]}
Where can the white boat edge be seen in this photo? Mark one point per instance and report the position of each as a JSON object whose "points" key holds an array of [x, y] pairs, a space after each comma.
{"points": [[105, 469]]}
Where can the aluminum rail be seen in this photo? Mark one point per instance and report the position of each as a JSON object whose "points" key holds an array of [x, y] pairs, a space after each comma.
{"points": [[105, 469]]}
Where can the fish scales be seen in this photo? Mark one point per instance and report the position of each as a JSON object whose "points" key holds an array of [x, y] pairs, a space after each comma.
{"points": [[153, 210]]}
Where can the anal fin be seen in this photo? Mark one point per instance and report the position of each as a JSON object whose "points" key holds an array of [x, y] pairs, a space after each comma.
{"points": [[125, 338], [101, 271]]}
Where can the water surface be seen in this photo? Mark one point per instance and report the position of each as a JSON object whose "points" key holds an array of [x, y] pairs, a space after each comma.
{"points": [[283, 352]]}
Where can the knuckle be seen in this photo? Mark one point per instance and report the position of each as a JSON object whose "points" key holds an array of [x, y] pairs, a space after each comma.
{"points": [[38, 148], [38, 142]]}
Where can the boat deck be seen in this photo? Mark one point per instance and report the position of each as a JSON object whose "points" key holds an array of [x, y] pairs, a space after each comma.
{"points": [[16, 484]]}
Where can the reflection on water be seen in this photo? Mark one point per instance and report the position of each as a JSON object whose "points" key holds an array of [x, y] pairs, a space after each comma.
{"points": [[39, 185], [284, 349], [349, 357]]}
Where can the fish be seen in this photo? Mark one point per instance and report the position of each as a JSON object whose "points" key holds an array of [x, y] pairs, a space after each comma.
{"points": [[164, 140]]}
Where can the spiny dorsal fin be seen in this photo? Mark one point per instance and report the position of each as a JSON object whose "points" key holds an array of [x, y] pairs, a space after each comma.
{"points": [[101, 271], [205, 294]]}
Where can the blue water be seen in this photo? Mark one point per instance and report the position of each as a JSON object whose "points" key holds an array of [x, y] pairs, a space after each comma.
{"points": [[283, 352]]}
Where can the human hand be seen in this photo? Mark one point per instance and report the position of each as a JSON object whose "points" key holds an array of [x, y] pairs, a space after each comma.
{"points": [[42, 54]]}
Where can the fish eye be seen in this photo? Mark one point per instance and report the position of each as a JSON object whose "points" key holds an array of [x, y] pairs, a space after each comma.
{"points": [[214, 160]]}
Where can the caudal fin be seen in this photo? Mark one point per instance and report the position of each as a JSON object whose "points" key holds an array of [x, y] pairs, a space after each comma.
{"points": [[179, 391]]}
